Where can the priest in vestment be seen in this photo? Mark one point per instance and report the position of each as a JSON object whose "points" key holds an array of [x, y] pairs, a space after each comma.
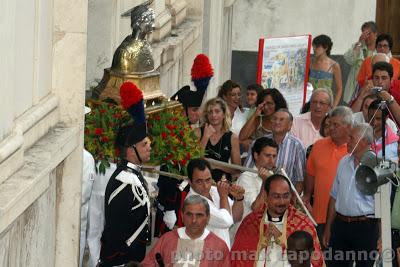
{"points": [[262, 237], [191, 245]]}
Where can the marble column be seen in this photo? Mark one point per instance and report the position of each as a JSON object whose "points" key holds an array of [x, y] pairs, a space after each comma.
{"points": [[69, 76]]}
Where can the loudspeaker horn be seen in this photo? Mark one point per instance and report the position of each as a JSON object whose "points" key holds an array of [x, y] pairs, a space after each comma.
{"points": [[373, 172]]}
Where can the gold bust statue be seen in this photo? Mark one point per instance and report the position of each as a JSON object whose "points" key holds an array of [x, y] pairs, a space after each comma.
{"points": [[134, 54]]}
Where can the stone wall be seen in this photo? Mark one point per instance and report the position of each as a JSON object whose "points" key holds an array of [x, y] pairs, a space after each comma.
{"points": [[44, 52], [339, 19], [41, 135]]}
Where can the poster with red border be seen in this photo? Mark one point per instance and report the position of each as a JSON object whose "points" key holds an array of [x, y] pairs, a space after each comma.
{"points": [[283, 63]]}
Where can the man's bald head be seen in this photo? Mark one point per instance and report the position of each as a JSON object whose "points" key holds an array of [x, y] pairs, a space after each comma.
{"points": [[380, 57]]}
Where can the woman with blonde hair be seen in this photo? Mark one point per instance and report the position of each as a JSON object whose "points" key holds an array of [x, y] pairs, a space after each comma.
{"points": [[216, 137]]}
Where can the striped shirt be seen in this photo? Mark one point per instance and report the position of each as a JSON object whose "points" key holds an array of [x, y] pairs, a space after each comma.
{"points": [[291, 157]]}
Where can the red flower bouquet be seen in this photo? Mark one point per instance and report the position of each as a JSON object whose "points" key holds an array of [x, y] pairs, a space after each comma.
{"points": [[101, 127], [173, 141]]}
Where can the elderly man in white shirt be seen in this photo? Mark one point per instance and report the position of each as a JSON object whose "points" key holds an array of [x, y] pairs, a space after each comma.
{"points": [[223, 210], [306, 126], [264, 152]]}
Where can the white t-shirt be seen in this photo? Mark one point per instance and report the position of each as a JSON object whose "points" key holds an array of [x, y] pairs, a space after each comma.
{"points": [[239, 120]]}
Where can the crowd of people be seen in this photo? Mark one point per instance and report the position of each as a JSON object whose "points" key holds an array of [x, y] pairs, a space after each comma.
{"points": [[224, 216]]}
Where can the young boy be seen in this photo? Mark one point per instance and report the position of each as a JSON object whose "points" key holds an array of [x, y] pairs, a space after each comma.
{"points": [[299, 249]]}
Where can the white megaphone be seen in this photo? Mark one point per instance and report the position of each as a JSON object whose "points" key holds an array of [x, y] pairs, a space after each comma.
{"points": [[373, 172]]}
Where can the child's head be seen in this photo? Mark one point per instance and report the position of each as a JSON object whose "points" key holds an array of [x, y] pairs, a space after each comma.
{"points": [[252, 92], [300, 247]]}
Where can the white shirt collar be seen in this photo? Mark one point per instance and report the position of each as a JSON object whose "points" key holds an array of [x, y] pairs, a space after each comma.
{"points": [[133, 166], [183, 235]]}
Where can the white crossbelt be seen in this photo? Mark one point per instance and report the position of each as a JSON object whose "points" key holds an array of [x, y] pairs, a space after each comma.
{"points": [[136, 233]]}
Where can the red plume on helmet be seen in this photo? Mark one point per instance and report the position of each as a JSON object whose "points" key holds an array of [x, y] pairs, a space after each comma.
{"points": [[132, 101], [130, 94], [202, 72], [201, 67]]}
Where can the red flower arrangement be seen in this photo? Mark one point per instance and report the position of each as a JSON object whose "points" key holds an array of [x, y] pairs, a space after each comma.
{"points": [[101, 127], [174, 142]]}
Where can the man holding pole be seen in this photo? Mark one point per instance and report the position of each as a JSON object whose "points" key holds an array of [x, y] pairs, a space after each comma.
{"points": [[223, 210]]}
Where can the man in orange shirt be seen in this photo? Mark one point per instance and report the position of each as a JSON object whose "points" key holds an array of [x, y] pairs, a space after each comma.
{"points": [[384, 44], [323, 161]]}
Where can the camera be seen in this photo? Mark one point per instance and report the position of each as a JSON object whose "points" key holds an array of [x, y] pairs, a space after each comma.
{"points": [[376, 90]]}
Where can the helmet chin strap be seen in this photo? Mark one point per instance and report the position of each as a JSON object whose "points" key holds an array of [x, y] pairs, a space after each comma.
{"points": [[137, 154]]}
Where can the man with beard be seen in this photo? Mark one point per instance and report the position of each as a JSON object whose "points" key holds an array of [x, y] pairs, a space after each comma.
{"points": [[262, 237]]}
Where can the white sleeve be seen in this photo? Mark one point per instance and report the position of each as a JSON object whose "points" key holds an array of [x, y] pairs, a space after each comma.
{"points": [[220, 218], [251, 192]]}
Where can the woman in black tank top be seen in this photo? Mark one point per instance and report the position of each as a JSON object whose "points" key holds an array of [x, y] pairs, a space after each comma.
{"points": [[219, 142]]}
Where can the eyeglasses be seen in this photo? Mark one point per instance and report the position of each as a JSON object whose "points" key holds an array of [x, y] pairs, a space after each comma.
{"points": [[382, 46]]}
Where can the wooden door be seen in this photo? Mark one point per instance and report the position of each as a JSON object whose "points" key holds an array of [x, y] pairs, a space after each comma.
{"points": [[388, 21]]}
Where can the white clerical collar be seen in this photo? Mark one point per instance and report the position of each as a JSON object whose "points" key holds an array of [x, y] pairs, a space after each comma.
{"points": [[182, 234], [269, 218], [133, 166]]}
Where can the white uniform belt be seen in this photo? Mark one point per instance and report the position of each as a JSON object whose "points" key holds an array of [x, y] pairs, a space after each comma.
{"points": [[136, 233]]}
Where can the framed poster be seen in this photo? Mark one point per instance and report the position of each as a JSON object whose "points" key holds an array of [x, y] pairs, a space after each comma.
{"points": [[283, 63]]}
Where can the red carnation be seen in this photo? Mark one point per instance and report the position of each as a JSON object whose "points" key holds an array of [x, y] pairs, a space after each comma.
{"points": [[163, 135], [188, 156], [181, 133], [183, 162], [117, 115], [130, 94], [201, 67], [98, 131], [171, 127], [104, 139], [175, 162], [102, 111]]}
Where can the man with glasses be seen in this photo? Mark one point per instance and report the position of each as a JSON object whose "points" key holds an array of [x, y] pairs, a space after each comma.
{"points": [[306, 126], [223, 210], [291, 154], [261, 238], [384, 44]]}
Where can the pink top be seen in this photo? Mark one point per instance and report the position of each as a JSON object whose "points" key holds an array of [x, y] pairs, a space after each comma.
{"points": [[303, 129]]}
